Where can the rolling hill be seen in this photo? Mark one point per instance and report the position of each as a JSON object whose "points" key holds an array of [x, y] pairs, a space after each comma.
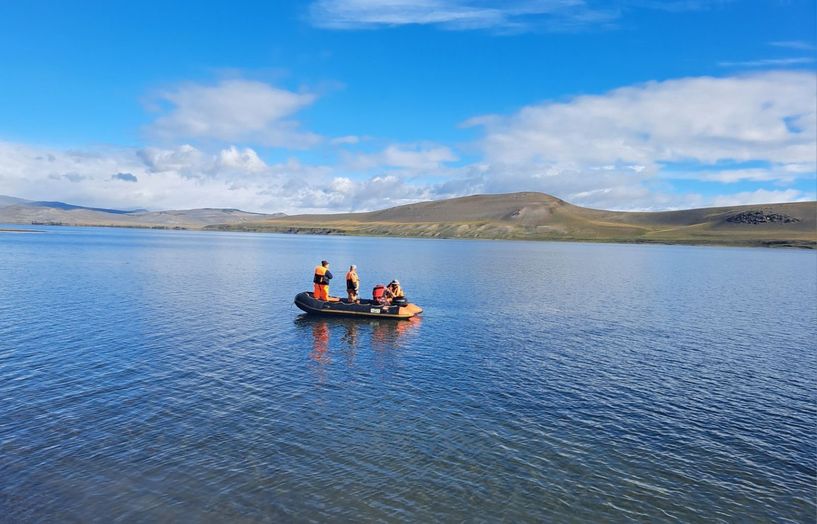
{"points": [[20, 211], [519, 216], [537, 216]]}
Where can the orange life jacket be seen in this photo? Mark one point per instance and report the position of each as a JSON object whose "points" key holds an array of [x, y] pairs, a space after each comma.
{"points": [[320, 276]]}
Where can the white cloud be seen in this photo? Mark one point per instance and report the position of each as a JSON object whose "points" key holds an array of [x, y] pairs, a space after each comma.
{"points": [[513, 15], [245, 160], [786, 173], [767, 116], [617, 150], [184, 177], [622, 138], [191, 162], [496, 15], [182, 159], [414, 158], [794, 44], [761, 196], [770, 62], [187, 177], [234, 110], [345, 194]]}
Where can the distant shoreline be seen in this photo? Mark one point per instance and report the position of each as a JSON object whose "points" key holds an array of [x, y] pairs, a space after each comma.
{"points": [[329, 231], [511, 216], [7, 230], [332, 231]]}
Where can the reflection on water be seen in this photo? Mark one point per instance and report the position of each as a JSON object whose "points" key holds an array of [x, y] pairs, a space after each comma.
{"points": [[343, 336], [157, 376]]}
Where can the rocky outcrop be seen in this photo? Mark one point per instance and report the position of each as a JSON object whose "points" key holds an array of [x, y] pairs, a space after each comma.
{"points": [[761, 217]]}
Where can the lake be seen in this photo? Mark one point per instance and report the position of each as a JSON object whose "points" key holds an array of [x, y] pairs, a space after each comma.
{"points": [[166, 376]]}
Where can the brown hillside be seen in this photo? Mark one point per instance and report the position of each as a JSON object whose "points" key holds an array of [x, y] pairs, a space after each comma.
{"points": [[538, 216]]}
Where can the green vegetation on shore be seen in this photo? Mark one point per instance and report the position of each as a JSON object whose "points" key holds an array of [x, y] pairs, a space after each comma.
{"points": [[514, 216], [489, 232], [536, 216]]}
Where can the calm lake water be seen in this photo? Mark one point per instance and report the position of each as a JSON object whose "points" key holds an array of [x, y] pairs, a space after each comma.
{"points": [[162, 375]]}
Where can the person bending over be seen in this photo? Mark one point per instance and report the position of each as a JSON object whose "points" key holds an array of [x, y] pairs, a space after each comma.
{"points": [[396, 290]]}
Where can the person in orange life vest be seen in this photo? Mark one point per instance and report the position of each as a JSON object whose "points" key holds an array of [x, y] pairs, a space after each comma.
{"points": [[321, 281], [381, 295], [352, 283], [396, 290]]}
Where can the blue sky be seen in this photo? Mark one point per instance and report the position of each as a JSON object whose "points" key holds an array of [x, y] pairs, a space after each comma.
{"points": [[334, 105]]}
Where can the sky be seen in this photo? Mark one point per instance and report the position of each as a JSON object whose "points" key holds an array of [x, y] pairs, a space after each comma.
{"points": [[351, 105]]}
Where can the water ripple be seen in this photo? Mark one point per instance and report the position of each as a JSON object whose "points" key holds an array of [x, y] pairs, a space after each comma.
{"points": [[166, 376]]}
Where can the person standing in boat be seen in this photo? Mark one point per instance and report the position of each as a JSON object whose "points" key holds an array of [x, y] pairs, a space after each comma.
{"points": [[352, 283], [321, 281]]}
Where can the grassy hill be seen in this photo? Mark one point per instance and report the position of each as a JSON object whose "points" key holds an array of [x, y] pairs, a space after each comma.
{"points": [[523, 216], [537, 216]]}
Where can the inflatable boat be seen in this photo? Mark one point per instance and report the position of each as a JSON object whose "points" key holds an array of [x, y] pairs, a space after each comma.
{"points": [[364, 308]]}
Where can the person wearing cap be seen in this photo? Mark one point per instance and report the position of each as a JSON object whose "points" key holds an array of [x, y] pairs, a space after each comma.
{"points": [[352, 283], [396, 290], [321, 281]]}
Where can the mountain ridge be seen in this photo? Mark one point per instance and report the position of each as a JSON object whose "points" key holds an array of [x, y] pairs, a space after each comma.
{"points": [[15, 210]]}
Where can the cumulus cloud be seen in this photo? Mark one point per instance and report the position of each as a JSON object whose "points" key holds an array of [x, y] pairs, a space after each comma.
{"points": [[623, 149], [622, 138], [232, 111], [245, 160], [768, 116], [344, 193], [413, 158], [183, 158], [168, 178], [191, 162], [187, 177]]}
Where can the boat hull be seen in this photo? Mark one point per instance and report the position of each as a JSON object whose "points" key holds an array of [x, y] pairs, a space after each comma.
{"points": [[308, 304]]}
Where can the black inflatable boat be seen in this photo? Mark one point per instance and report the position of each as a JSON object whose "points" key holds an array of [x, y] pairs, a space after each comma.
{"points": [[365, 308]]}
